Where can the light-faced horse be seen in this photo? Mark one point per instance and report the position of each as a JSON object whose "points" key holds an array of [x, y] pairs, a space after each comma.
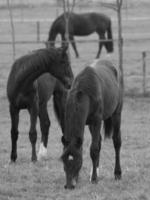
{"points": [[30, 85], [83, 25], [95, 96]]}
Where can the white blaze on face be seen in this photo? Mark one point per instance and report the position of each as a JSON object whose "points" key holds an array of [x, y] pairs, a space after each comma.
{"points": [[91, 172], [42, 152], [70, 157]]}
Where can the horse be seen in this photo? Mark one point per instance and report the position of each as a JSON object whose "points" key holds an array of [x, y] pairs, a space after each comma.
{"points": [[95, 96], [83, 25], [51, 86], [30, 84]]}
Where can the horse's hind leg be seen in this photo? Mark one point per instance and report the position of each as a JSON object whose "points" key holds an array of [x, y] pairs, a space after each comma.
{"points": [[101, 43], [44, 124], [117, 144], [95, 150], [14, 114], [33, 111]]}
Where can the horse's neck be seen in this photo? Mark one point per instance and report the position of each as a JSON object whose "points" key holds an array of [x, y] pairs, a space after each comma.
{"points": [[52, 35], [26, 80], [25, 77], [53, 31]]}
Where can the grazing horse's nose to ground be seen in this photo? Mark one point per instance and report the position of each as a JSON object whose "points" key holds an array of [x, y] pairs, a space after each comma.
{"points": [[71, 187], [71, 183]]}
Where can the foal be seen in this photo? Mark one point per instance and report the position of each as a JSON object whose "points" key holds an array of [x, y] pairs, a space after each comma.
{"points": [[95, 95], [25, 92]]}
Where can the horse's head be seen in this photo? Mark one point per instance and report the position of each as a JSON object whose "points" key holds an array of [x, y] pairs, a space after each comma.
{"points": [[49, 44], [62, 67], [72, 160]]}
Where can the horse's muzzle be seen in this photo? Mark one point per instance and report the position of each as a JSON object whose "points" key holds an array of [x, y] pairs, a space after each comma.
{"points": [[71, 184]]}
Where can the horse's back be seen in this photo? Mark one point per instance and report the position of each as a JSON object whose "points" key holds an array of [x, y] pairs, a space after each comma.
{"points": [[111, 90]]}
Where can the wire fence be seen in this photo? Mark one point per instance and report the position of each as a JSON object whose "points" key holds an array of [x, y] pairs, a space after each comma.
{"points": [[136, 52]]}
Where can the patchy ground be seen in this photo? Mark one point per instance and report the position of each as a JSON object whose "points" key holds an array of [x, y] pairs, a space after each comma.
{"points": [[45, 180]]}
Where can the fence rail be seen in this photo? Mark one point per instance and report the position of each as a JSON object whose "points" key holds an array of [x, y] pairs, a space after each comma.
{"points": [[127, 37], [52, 19]]}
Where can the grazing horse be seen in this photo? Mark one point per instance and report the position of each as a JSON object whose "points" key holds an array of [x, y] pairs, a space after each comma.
{"points": [[95, 96], [83, 25], [30, 86]]}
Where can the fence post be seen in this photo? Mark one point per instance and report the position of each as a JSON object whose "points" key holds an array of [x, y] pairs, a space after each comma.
{"points": [[38, 31], [144, 71]]}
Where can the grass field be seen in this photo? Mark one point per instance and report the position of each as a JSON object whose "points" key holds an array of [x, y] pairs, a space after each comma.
{"points": [[45, 180]]}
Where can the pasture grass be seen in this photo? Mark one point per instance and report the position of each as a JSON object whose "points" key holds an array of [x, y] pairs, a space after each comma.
{"points": [[45, 179]]}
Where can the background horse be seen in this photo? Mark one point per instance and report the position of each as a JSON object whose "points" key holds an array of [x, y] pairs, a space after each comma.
{"points": [[25, 92], [95, 95], [83, 25]]}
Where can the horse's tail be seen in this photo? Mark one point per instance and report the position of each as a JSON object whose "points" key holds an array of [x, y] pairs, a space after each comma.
{"points": [[110, 45], [108, 127]]}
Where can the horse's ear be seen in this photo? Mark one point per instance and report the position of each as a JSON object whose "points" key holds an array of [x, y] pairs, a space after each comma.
{"points": [[64, 141], [78, 142]]}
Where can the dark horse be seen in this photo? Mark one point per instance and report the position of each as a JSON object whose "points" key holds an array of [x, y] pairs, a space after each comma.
{"points": [[95, 95], [82, 25], [27, 89]]}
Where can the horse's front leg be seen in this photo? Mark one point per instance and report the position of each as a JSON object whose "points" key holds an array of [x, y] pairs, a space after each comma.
{"points": [[117, 144], [33, 111], [14, 114], [44, 124], [95, 149], [73, 43], [63, 40]]}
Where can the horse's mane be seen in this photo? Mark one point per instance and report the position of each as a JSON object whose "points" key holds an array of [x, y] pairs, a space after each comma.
{"points": [[57, 20], [27, 68], [53, 30], [87, 82]]}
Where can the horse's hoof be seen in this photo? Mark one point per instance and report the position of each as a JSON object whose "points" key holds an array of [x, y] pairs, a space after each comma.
{"points": [[13, 158], [34, 159], [94, 178], [42, 155], [117, 174], [11, 162], [95, 181], [117, 177], [70, 187]]}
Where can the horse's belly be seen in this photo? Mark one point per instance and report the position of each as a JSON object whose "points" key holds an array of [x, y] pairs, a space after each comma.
{"points": [[84, 31]]}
